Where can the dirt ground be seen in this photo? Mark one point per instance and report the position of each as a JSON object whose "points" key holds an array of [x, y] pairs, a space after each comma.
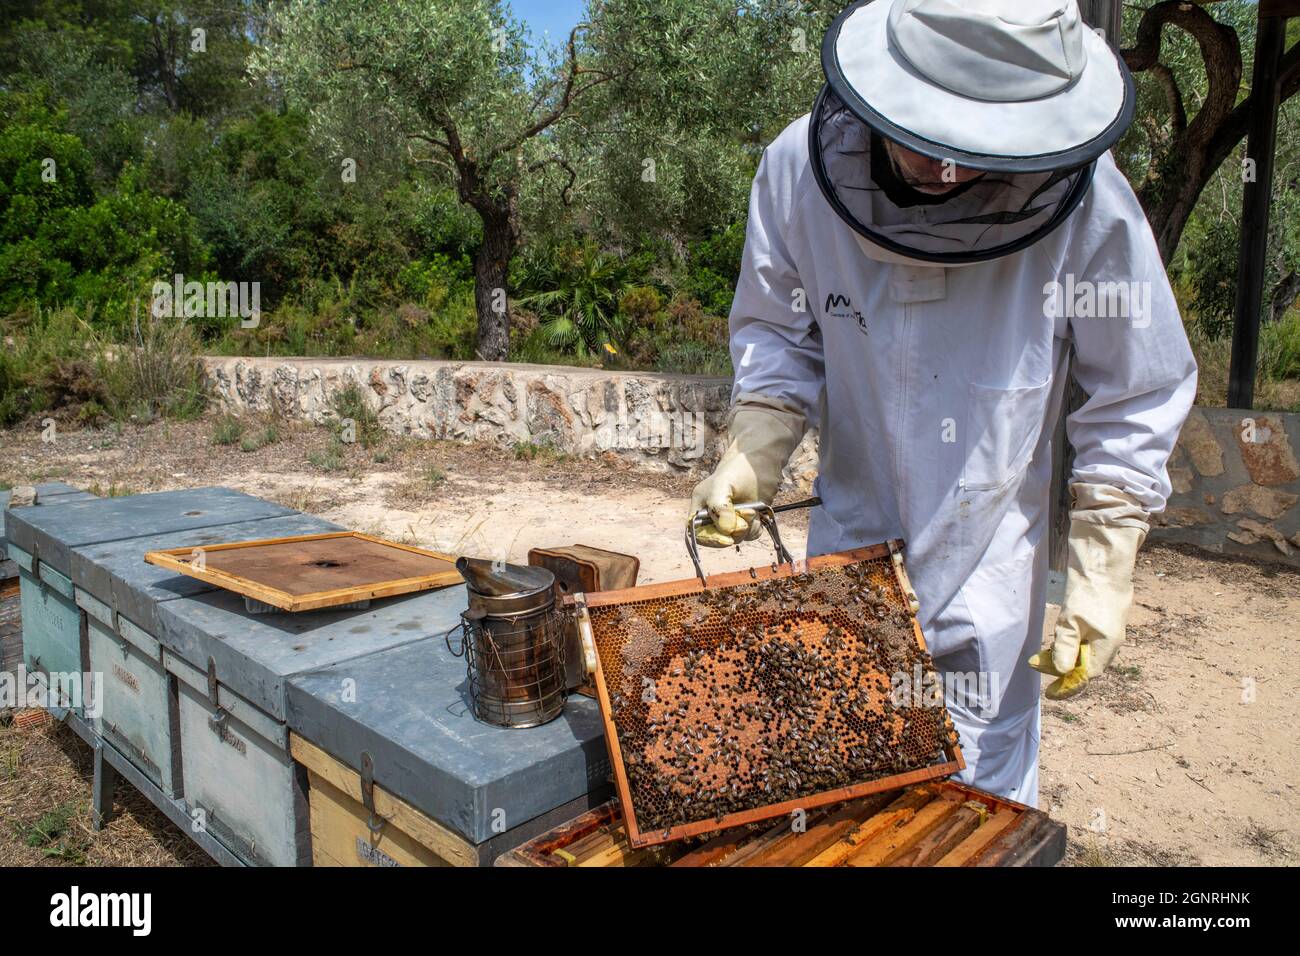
{"points": [[1184, 754]]}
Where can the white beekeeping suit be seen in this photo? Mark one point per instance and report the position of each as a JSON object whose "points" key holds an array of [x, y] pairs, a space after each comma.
{"points": [[931, 344]]}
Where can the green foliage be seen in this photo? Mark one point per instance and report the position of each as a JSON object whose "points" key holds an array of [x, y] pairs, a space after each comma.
{"points": [[538, 451], [329, 458], [227, 430], [49, 365], [356, 420], [1210, 244], [575, 291], [1211, 269], [54, 835], [268, 435], [1279, 348], [630, 196], [60, 244], [154, 373], [713, 268]]}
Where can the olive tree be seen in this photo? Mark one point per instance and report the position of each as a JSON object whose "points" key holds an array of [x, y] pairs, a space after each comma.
{"points": [[472, 98]]}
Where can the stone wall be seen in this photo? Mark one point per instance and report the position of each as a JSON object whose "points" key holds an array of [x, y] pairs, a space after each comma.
{"points": [[665, 421], [1235, 475], [1236, 484]]}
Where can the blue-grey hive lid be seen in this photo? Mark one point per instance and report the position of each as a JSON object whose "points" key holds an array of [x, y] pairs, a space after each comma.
{"points": [[115, 572], [51, 532], [409, 708], [48, 492], [254, 654]]}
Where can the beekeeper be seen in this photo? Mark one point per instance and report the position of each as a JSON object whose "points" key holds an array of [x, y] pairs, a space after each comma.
{"points": [[925, 252]]}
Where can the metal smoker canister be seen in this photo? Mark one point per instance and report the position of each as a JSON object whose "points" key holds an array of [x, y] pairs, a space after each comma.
{"points": [[514, 649]]}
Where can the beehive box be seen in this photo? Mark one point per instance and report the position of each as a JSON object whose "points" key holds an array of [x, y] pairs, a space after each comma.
{"points": [[53, 630], [471, 789], [347, 830], [50, 492], [11, 627], [942, 824], [239, 781], [134, 703], [53, 532], [41, 541], [120, 595], [55, 643], [112, 576], [244, 773]]}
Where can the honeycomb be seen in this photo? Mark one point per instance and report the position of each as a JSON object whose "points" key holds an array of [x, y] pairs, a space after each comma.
{"points": [[730, 699]]}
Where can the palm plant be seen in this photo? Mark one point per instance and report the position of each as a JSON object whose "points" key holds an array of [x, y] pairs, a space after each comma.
{"points": [[577, 290]]}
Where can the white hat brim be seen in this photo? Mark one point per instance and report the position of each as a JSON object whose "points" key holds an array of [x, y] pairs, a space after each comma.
{"points": [[878, 84]]}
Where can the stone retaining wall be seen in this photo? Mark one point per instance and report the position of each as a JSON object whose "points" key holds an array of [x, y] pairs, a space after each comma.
{"points": [[1235, 475], [1236, 484]]}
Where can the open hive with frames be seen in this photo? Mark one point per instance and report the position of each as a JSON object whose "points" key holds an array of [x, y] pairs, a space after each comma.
{"points": [[763, 692]]}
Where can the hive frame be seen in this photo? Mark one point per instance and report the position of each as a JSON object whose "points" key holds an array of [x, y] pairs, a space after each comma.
{"points": [[639, 838], [178, 561]]}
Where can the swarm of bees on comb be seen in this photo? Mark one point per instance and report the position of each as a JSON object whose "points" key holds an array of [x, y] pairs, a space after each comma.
{"points": [[729, 699]]}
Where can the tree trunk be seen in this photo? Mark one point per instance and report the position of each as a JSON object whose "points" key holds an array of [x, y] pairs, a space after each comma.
{"points": [[491, 269], [1196, 148], [1284, 295]]}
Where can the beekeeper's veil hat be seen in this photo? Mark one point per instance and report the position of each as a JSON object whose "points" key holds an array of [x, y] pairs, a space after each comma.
{"points": [[1022, 89]]}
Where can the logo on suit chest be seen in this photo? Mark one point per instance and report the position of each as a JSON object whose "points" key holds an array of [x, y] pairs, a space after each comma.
{"points": [[840, 306]]}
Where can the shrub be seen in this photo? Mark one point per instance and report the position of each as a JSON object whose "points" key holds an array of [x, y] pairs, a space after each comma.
{"points": [[48, 365], [713, 268], [260, 439], [227, 430], [157, 373], [575, 291], [357, 421], [329, 458]]}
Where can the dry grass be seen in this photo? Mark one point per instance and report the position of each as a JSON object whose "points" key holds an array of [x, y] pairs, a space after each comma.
{"points": [[45, 809]]}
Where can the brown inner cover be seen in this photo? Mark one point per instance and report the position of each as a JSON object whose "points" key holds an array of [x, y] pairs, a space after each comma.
{"points": [[325, 564]]}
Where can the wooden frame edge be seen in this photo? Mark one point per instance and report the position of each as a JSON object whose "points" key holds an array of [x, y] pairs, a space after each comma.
{"points": [[684, 586], [314, 600]]}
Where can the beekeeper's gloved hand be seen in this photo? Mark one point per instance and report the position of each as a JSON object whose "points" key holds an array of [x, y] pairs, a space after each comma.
{"points": [[764, 432], [1106, 529]]}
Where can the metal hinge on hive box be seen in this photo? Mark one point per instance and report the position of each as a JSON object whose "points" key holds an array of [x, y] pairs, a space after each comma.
{"points": [[741, 697], [375, 822], [217, 719]]}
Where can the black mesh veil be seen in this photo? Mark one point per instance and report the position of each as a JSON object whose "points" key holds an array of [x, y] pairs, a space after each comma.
{"points": [[993, 216]]}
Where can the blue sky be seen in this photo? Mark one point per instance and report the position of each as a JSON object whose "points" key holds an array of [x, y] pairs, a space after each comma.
{"points": [[557, 16]]}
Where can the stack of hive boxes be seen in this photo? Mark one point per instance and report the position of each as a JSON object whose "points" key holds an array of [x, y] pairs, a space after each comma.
{"points": [[48, 597], [203, 697]]}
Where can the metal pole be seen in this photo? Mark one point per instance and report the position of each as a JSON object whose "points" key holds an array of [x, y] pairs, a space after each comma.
{"points": [[1270, 39]]}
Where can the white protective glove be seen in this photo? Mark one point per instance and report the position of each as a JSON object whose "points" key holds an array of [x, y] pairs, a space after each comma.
{"points": [[1106, 529], [764, 432]]}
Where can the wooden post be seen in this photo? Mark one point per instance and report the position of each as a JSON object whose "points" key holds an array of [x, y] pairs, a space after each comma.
{"points": [[1105, 15], [1270, 40]]}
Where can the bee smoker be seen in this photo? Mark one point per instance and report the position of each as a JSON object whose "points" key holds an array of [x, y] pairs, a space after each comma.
{"points": [[513, 643]]}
